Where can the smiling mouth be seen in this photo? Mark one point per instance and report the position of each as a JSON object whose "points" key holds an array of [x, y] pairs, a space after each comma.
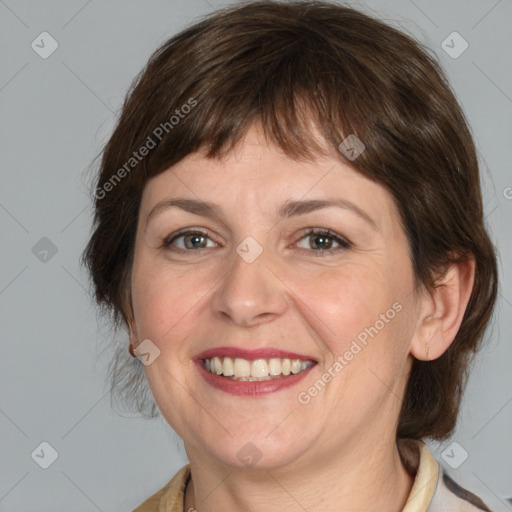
{"points": [[256, 369]]}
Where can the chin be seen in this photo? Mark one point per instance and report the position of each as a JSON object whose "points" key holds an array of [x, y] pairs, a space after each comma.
{"points": [[257, 451]]}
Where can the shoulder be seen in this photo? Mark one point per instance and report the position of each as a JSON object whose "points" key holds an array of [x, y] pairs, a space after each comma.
{"points": [[171, 495]]}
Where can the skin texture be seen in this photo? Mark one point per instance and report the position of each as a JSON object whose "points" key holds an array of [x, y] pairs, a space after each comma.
{"points": [[342, 443]]}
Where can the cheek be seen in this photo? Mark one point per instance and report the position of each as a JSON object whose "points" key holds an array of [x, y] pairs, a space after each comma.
{"points": [[364, 321], [162, 300], [362, 313], [349, 300]]}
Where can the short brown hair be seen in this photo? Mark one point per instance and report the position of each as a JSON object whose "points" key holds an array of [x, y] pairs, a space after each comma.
{"points": [[286, 65]]}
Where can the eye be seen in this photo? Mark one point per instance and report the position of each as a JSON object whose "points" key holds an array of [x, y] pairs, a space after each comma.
{"points": [[322, 240], [191, 239]]}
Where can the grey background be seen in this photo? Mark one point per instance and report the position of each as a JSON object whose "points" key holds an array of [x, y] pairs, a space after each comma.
{"points": [[55, 115]]}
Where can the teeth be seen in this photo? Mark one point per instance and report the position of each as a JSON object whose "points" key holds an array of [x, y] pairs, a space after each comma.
{"points": [[286, 365], [228, 367], [217, 366], [258, 369], [242, 367], [296, 366], [274, 366]]}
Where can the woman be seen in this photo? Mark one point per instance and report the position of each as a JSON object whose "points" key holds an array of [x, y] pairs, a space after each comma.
{"points": [[289, 224]]}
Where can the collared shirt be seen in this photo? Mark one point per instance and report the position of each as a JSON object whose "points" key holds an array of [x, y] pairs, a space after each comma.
{"points": [[432, 491]]}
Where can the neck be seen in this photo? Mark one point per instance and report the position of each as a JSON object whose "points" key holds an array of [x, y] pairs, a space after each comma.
{"points": [[361, 480]]}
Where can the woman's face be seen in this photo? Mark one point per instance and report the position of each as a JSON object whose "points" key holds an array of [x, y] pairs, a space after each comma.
{"points": [[245, 281]]}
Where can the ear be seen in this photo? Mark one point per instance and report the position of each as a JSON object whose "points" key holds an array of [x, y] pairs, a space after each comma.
{"points": [[442, 310]]}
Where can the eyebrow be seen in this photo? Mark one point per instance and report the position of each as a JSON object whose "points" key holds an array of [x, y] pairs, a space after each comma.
{"points": [[288, 209]]}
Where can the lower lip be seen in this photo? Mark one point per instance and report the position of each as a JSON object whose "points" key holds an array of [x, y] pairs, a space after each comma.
{"points": [[254, 388]]}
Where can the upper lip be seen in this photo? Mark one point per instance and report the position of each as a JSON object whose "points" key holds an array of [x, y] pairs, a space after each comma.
{"points": [[261, 353]]}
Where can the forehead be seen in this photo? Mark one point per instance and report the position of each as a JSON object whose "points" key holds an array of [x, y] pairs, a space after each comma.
{"points": [[258, 176]]}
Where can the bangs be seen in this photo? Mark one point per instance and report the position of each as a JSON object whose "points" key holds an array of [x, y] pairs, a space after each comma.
{"points": [[303, 125]]}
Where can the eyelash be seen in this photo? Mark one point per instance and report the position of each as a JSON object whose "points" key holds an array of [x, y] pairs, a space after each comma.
{"points": [[344, 244]]}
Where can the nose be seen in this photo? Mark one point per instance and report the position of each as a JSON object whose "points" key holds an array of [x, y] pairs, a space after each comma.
{"points": [[250, 293]]}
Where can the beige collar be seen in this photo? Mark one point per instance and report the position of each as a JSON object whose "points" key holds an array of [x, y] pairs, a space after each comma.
{"points": [[418, 461]]}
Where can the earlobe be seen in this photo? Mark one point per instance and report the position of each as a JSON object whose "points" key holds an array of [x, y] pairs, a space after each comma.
{"points": [[442, 311]]}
